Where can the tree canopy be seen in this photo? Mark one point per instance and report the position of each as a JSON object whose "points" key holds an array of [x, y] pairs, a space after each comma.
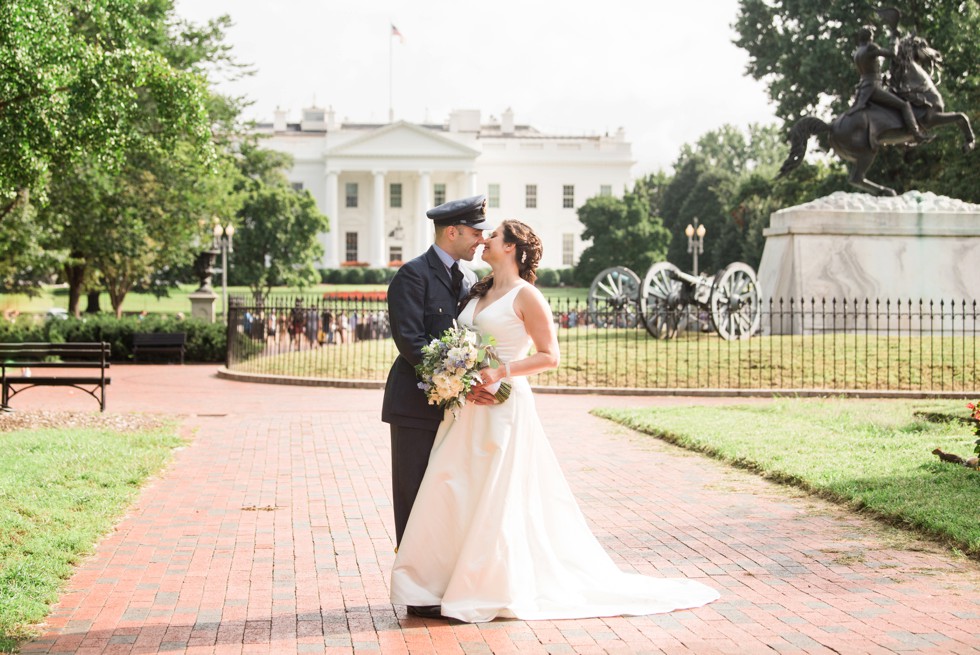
{"points": [[78, 78], [277, 241], [624, 232]]}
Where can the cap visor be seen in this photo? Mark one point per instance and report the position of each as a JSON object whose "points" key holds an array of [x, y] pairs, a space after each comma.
{"points": [[482, 225]]}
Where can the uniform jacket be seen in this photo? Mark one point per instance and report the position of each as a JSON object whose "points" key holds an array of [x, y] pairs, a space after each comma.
{"points": [[421, 306]]}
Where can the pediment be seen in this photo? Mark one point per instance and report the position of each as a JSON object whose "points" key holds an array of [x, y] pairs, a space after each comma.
{"points": [[402, 140]]}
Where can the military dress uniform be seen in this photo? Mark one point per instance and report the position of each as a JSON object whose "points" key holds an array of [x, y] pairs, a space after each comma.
{"points": [[422, 304]]}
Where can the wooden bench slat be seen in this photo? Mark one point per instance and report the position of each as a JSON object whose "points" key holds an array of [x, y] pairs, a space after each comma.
{"points": [[54, 380]]}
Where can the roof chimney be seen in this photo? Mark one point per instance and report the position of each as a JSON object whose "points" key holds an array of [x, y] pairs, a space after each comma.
{"points": [[507, 121]]}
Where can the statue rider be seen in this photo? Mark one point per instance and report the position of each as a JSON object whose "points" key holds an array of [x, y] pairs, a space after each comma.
{"points": [[871, 89]]}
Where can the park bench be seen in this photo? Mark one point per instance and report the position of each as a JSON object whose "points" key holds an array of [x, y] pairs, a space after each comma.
{"points": [[159, 343], [75, 359]]}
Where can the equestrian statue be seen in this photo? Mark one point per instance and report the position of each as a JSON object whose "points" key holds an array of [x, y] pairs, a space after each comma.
{"points": [[901, 113]]}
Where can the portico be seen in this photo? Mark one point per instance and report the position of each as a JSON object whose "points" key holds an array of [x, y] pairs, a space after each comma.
{"points": [[379, 186]]}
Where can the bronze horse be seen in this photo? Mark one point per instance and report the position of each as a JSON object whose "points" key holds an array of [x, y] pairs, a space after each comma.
{"points": [[857, 136]]}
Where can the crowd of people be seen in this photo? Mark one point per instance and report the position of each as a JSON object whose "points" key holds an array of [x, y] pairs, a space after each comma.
{"points": [[306, 327]]}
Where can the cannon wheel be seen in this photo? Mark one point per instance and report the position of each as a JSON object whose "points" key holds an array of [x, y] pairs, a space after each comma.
{"points": [[613, 296], [736, 307], [661, 301]]}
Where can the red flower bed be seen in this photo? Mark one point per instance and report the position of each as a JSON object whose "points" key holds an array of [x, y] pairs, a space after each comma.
{"points": [[356, 295]]}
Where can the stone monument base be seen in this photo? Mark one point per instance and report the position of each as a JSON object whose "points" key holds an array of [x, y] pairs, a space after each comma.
{"points": [[202, 304], [846, 247]]}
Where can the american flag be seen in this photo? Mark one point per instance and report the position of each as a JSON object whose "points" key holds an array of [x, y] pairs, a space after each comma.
{"points": [[395, 32]]}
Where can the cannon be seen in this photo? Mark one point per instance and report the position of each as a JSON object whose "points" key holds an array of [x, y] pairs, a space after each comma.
{"points": [[730, 298]]}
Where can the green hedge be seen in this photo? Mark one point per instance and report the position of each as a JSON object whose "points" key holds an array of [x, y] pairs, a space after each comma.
{"points": [[205, 341], [547, 277]]}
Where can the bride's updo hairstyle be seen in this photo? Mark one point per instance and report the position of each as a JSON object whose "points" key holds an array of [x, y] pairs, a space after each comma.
{"points": [[527, 253]]}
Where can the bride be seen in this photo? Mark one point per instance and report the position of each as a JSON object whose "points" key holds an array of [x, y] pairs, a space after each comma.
{"points": [[495, 530]]}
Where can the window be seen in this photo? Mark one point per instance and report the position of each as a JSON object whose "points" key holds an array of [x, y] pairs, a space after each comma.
{"points": [[568, 196], [493, 196], [395, 254], [531, 196], [351, 238], [395, 195], [351, 195], [439, 194], [605, 190], [568, 249], [297, 186]]}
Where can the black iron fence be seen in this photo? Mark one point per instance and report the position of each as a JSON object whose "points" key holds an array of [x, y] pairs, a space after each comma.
{"points": [[801, 344]]}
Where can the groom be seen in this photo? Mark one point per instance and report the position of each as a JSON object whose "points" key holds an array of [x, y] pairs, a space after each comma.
{"points": [[422, 304]]}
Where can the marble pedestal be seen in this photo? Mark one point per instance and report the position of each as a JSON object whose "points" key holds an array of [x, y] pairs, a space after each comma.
{"points": [[202, 304], [856, 247]]}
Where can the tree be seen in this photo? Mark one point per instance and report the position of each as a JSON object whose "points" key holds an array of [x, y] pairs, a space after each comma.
{"points": [[276, 242], [624, 232], [801, 50], [160, 189], [75, 77]]}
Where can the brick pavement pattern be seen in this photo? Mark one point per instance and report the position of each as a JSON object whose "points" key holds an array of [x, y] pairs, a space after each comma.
{"points": [[271, 532]]}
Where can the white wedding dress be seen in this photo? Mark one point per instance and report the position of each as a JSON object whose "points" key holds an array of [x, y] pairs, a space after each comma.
{"points": [[495, 530]]}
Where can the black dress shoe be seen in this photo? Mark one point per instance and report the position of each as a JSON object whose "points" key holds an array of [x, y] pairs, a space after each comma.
{"points": [[426, 611]]}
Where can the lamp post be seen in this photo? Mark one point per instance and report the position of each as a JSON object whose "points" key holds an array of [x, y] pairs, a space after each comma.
{"points": [[695, 241], [222, 240]]}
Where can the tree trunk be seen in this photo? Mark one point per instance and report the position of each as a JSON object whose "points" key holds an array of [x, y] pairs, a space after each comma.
{"points": [[117, 294], [75, 276], [93, 302]]}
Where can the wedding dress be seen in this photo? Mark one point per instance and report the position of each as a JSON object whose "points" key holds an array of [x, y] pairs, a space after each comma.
{"points": [[495, 530]]}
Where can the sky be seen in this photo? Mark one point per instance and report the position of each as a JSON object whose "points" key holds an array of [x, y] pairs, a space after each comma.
{"points": [[666, 72]]}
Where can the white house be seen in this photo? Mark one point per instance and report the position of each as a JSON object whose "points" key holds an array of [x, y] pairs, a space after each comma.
{"points": [[376, 181]]}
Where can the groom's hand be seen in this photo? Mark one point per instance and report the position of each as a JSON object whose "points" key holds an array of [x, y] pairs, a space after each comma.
{"points": [[480, 396]]}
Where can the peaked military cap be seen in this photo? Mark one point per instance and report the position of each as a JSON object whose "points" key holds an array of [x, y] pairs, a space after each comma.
{"points": [[467, 211]]}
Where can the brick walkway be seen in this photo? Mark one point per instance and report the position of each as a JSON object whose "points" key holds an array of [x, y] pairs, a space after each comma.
{"points": [[271, 533]]}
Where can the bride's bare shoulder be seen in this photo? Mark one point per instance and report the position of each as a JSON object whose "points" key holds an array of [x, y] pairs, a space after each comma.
{"points": [[531, 296]]}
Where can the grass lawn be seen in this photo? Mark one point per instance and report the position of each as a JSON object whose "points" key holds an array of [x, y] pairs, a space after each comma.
{"points": [[61, 489], [873, 456]]}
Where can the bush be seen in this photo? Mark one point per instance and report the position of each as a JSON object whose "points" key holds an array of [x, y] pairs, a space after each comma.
{"points": [[374, 276], [548, 277], [336, 276], [354, 276], [205, 341], [567, 276], [389, 274]]}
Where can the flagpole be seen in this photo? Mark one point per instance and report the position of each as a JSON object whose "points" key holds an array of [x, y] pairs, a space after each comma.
{"points": [[391, 105]]}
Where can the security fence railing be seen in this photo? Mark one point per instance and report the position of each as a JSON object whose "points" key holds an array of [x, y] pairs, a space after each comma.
{"points": [[810, 344]]}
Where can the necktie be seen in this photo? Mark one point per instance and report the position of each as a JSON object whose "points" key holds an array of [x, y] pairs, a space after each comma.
{"points": [[457, 276]]}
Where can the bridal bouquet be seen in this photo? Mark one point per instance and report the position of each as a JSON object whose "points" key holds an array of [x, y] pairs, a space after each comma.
{"points": [[451, 367]]}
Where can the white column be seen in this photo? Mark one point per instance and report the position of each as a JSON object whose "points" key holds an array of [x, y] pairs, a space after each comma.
{"points": [[377, 236], [331, 243], [471, 182], [423, 226]]}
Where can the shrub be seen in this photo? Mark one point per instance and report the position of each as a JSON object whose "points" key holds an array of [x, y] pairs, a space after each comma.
{"points": [[567, 276], [336, 276], [354, 276], [548, 277], [205, 341], [389, 274], [374, 275]]}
